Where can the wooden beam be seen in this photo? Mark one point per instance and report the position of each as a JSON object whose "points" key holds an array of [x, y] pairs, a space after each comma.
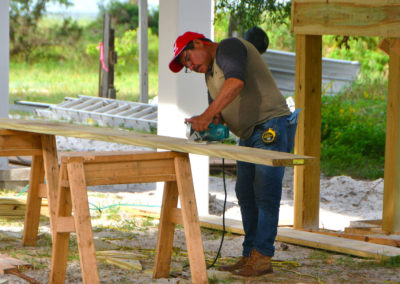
{"points": [[50, 162], [166, 230], [308, 136], [190, 220], [391, 195], [313, 240], [83, 225], [336, 244], [65, 224], [346, 17], [387, 43], [252, 155], [32, 214]]}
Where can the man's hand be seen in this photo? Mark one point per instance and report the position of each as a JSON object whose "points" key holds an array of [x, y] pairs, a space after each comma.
{"points": [[200, 122], [218, 119]]}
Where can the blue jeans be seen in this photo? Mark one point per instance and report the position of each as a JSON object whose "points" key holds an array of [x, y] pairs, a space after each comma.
{"points": [[259, 188]]}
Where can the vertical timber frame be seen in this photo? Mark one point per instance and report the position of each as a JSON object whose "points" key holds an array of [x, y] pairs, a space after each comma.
{"points": [[351, 18], [308, 136], [391, 196]]}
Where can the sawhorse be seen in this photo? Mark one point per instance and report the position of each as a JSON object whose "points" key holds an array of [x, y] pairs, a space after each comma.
{"points": [[79, 170], [44, 166]]}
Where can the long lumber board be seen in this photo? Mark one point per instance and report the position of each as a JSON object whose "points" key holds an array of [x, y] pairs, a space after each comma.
{"points": [[346, 17], [313, 240], [246, 154]]}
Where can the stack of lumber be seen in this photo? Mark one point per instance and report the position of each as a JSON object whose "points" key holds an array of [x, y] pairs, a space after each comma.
{"points": [[15, 207]]}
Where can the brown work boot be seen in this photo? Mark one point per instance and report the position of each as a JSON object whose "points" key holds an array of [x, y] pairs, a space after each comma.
{"points": [[257, 265], [239, 264]]}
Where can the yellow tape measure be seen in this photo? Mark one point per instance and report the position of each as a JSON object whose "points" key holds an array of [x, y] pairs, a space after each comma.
{"points": [[268, 136]]}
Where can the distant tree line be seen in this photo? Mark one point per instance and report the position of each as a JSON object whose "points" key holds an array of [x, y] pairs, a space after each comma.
{"points": [[26, 35]]}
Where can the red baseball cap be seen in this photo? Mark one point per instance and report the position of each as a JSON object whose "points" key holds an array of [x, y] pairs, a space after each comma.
{"points": [[179, 46]]}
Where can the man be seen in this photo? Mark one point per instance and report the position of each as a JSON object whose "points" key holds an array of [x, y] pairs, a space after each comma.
{"points": [[243, 94]]}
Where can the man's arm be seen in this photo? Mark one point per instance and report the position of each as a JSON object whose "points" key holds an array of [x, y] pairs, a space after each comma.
{"points": [[229, 91]]}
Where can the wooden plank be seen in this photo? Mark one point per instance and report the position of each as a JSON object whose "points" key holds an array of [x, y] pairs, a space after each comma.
{"points": [[129, 172], [20, 142], [313, 240], [117, 156], [252, 155], [190, 220], [370, 239], [391, 194], [51, 170], [59, 254], [65, 225], [346, 17], [32, 214], [166, 230], [42, 191], [175, 216], [8, 263], [20, 152], [83, 225], [331, 243], [308, 135]]}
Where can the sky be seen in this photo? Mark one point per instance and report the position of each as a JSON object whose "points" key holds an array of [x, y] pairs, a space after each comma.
{"points": [[86, 7]]}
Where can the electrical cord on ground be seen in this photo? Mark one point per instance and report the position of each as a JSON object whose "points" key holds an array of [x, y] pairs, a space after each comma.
{"points": [[223, 217]]}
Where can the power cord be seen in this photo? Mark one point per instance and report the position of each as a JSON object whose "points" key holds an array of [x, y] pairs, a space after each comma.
{"points": [[223, 217]]}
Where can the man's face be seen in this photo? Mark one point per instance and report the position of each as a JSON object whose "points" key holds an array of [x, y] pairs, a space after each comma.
{"points": [[197, 59]]}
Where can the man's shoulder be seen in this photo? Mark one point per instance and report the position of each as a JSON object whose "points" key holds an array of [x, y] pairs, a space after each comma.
{"points": [[230, 40]]}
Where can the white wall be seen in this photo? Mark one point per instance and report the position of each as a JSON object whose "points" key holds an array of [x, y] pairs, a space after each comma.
{"points": [[4, 65], [183, 95]]}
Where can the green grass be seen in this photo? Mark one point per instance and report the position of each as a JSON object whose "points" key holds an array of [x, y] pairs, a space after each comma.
{"points": [[50, 82], [354, 131]]}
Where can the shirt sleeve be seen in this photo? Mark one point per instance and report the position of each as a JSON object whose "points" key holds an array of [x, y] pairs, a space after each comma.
{"points": [[231, 57]]}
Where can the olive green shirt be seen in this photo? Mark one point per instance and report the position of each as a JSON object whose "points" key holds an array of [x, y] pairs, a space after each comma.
{"points": [[258, 101]]}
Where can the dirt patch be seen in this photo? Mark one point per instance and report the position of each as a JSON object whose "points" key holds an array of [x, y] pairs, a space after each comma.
{"points": [[115, 228]]}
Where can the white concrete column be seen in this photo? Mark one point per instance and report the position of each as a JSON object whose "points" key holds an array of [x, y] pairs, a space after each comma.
{"points": [[4, 65], [183, 95]]}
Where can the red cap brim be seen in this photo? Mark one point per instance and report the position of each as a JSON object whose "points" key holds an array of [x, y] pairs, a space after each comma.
{"points": [[175, 66]]}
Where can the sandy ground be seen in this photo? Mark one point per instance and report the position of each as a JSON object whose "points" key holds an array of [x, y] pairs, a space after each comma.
{"points": [[343, 200]]}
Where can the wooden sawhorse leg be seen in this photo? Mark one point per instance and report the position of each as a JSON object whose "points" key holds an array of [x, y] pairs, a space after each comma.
{"points": [[44, 166], [43, 150], [80, 224], [188, 216], [78, 172]]}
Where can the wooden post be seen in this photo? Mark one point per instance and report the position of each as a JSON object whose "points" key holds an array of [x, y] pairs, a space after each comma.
{"points": [[34, 202], [83, 225], [391, 196], [143, 53], [107, 89], [190, 220], [308, 136], [51, 170], [61, 239], [166, 231]]}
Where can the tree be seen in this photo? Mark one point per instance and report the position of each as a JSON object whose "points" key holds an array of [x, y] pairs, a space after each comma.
{"points": [[24, 18], [245, 14]]}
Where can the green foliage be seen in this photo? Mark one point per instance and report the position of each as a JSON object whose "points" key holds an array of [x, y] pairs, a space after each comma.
{"points": [[374, 63], [125, 15], [127, 49], [353, 131], [24, 20], [248, 13]]}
